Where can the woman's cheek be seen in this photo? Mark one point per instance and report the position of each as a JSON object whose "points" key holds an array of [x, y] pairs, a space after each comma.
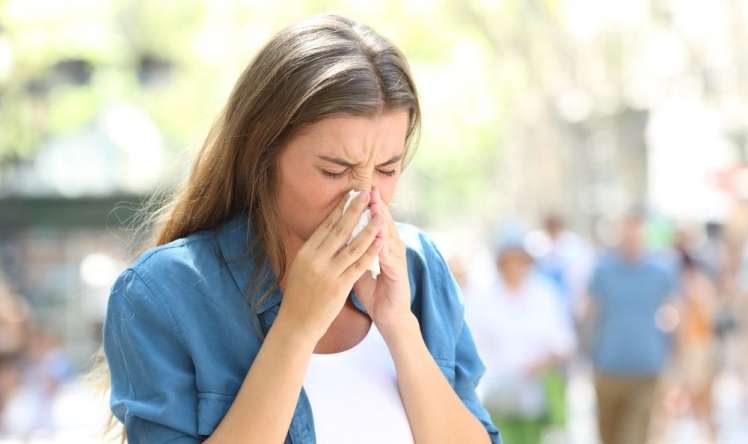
{"points": [[387, 189]]}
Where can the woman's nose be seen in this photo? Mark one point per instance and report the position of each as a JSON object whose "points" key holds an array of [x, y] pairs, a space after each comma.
{"points": [[363, 185]]}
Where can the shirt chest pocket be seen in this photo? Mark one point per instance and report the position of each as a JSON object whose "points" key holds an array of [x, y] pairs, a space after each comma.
{"points": [[211, 408]]}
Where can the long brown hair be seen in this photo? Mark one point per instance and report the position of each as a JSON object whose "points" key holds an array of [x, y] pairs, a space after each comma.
{"points": [[319, 67]]}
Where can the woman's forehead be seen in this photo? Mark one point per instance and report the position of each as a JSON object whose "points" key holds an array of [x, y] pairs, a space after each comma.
{"points": [[357, 138]]}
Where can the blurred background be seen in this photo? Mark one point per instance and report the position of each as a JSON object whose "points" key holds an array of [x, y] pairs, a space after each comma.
{"points": [[556, 134]]}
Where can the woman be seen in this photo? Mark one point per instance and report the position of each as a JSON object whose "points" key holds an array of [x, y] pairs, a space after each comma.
{"points": [[209, 335], [525, 336]]}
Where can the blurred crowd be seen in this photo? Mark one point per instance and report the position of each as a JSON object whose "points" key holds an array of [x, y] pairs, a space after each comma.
{"points": [[33, 366], [650, 315], [652, 318]]}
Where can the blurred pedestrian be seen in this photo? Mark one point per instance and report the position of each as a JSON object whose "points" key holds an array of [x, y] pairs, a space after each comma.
{"points": [[697, 356], [629, 313], [567, 259], [15, 316], [523, 335]]}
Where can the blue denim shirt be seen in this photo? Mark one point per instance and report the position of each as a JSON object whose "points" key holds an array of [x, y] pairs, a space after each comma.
{"points": [[180, 336]]}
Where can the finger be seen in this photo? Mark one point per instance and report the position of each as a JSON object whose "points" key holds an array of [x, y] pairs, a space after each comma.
{"points": [[389, 229], [394, 246], [374, 206], [340, 232], [395, 250], [358, 246], [357, 268], [321, 232]]}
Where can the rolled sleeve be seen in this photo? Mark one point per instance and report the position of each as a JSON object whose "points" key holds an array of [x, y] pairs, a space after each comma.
{"points": [[468, 370], [152, 376], [469, 367]]}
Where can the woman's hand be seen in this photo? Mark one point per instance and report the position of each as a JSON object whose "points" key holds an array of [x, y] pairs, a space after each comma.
{"points": [[386, 298], [325, 269]]}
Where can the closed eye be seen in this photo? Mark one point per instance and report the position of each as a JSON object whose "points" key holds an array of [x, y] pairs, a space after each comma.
{"points": [[336, 175], [333, 174]]}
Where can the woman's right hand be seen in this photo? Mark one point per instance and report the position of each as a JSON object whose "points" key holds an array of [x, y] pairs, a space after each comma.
{"points": [[325, 268]]}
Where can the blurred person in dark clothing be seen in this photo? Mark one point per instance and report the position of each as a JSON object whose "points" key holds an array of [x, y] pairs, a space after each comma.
{"points": [[629, 295], [713, 255]]}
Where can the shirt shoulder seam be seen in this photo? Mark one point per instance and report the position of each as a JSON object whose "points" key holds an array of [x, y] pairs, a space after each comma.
{"points": [[160, 300]]}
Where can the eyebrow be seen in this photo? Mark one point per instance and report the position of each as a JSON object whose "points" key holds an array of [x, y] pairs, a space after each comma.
{"points": [[345, 163]]}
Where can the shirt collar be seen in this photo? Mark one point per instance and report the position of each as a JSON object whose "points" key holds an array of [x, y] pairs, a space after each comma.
{"points": [[234, 238]]}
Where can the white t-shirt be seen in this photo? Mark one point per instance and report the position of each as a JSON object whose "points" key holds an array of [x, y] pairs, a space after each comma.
{"points": [[354, 395], [513, 331]]}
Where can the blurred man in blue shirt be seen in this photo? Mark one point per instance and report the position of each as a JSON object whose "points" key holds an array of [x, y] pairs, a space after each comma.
{"points": [[629, 294]]}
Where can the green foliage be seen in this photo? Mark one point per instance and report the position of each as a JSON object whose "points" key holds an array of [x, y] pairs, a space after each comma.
{"points": [[487, 72]]}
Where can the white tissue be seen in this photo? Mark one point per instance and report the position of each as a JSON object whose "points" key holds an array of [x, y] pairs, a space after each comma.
{"points": [[362, 222]]}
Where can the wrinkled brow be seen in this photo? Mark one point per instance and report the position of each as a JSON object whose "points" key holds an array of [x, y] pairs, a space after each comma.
{"points": [[345, 163]]}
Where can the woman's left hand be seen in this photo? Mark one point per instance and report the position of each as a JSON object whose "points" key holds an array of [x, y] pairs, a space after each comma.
{"points": [[386, 298]]}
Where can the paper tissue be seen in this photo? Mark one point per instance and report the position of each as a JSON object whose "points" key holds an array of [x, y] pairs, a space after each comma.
{"points": [[362, 222]]}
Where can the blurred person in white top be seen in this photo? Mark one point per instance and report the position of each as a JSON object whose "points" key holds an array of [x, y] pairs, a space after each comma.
{"points": [[523, 334]]}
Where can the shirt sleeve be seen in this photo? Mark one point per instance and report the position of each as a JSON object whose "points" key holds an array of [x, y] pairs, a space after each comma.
{"points": [[152, 376], [469, 367], [468, 370]]}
